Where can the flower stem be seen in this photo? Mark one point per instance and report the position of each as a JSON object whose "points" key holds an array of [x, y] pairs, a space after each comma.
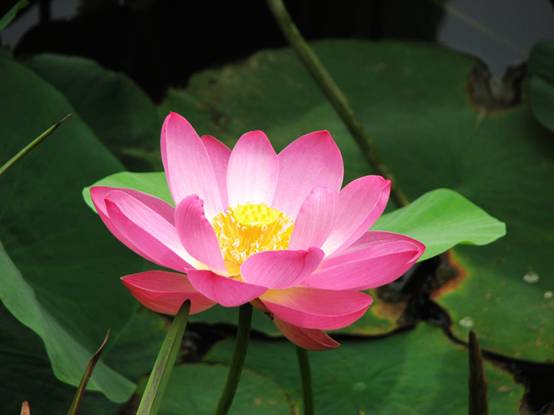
{"points": [[306, 376], [241, 346], [159, 378], [334, 94]]}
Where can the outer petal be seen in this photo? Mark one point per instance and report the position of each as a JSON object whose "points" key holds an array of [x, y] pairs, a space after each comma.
{"points": [[378, 258], [315, 219], [144, 230], [360, 204], [309, 339], [311, 308], [253, 170], [165, 292], [187, 164], [196, 233], [219, 155], [313, 160], [280, 269], [224, 290], [99, 193]]}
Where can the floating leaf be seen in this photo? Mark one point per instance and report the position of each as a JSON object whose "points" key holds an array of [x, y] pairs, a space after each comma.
{"points": [[416, 372], [442, 219], [194, 389]]}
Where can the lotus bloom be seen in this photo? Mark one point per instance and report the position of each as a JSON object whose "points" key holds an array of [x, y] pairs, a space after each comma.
{"points": [[251, 225]]}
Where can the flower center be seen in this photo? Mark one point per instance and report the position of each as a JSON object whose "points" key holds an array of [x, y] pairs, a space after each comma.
{"points": [[247, 229]]}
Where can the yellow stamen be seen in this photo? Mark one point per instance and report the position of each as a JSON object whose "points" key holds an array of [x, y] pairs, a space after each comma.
{"points": [[247, 229]]}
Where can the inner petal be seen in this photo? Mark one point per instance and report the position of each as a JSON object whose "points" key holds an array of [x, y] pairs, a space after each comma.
{"points": [[247, 229]]}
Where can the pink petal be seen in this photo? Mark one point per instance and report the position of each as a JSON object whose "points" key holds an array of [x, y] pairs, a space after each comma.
{"points": [[315, 219], [360, 204], [224, 290], [311, 308], [377, 259], [280, 269], [308, 339], [313, 160], [165, 292], [196, 233], [219, 155], [253, 170], [187, 164], [144, 230], [98, 194]]}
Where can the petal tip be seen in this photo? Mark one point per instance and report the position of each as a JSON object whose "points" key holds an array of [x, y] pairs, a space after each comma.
{"points": [[173, 114], [192, 200], [324, 133], [420, 249], [99, 193], [256, 135], [174, 117], [308, 339]]}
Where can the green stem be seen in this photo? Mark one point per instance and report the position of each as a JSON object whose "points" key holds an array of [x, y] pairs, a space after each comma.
{"points": [[334, 95], [241, 346], [306, 377], [161, 372], [29, 147]]}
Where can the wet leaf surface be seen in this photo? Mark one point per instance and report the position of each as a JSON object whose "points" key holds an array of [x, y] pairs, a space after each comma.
{"points": [[418, 372]]}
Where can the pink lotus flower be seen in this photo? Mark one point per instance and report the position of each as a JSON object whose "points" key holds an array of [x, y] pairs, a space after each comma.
{"points": [[251, 225]]}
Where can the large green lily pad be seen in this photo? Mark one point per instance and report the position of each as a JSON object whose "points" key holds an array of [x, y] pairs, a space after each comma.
{"points": [[414, 100], [415, 372], [442, 219], [110, 103], [59, 272], [194, 389]]}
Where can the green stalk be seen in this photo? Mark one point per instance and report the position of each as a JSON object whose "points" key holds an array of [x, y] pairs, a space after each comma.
{"points": [[241, 346], [74, 408], [334, 94], [29, 147], [161, 372], [306, 377]]}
